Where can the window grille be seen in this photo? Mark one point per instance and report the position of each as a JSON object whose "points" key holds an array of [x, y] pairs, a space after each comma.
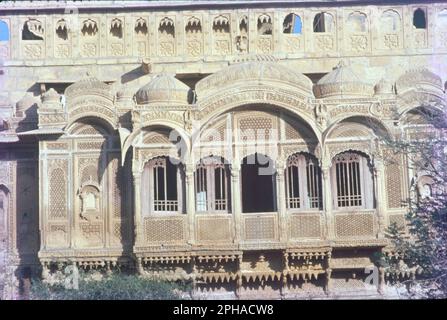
{"points": [[303, 183], [212, 185]]}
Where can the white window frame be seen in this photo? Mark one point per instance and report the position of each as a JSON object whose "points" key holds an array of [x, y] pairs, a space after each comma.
{"points": [[365, 181], [151, 205], [205, 186], [304, 164]]}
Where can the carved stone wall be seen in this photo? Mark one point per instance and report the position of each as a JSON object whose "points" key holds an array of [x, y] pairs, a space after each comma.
{"points": [[238, 67]]}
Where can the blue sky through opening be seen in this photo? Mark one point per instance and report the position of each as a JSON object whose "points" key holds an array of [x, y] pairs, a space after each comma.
{"points": [[297, 25], [4, 32]]}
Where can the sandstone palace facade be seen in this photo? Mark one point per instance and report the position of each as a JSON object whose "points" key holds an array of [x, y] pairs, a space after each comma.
{"points": [[235, 145]]}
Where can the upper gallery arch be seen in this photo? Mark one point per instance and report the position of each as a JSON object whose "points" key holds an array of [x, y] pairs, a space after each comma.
{"points": [[261, 71], [90, 97], [419, 87]]}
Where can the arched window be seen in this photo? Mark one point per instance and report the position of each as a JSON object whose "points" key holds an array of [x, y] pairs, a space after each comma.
{"points": [[193, 26], [167, 27], [442, 20], [419, 20], [357, 22], [212, 185], [242, 38], [141, 27], [62, 30], [264, 24], [292, 24], [4, 31], [116, 28], [390, 21], [323, 22], [352, 181], [90, 198], [303, 183], [162, 187], [221, 34], [32, 30], [89, 28]]}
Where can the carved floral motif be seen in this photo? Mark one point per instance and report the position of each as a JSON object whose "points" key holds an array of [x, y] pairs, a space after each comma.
{"points": [[89, 50], [391, 41], [325, 42], [33, 50], [62, 51], [359, 42], [166, 48]]}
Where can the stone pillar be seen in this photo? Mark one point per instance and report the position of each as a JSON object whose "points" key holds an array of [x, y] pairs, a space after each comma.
{"points": [[190, 201], [281, 201], [329, 232], [379, 175], [137, 201], [328, 281], [236, 201]]}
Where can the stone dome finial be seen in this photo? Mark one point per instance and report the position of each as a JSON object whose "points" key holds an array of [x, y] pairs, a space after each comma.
{"points": [[164, 89], [342, 81], [51, 97]]}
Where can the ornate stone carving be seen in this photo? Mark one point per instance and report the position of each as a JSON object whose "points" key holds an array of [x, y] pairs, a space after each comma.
{"points": [[214, 229], [305, 226], [163, 89], [325, 42], [252, 71], [359, 42], [170, 229], [260, 227], [355, 225], [58, 189], [391, 41], [33, 51]]}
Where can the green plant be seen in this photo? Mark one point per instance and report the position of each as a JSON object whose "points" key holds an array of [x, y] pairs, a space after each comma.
{"points": [[113, 287]]}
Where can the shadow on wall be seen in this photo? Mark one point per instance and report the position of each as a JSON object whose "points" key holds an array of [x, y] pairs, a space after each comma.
{"points": [[27, 241]]}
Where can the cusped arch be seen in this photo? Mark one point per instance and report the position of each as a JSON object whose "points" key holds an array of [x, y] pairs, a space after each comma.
{"points": [[105, 126], [435, 108], [129, 140], [379, 128], [261, 70], [281, 104]]}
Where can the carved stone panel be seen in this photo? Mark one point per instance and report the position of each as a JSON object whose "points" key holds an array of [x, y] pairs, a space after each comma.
{"points": [[305, 226], [168, 229], [58, 189], [260, 227], [214, 228], [354, 225]]}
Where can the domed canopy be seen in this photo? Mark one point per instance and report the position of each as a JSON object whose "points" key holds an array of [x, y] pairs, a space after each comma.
{"points": [[421, 79], [51, 97], [260, 71], [165, 89], [342, 82], [27, 106], [89, 86]]}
